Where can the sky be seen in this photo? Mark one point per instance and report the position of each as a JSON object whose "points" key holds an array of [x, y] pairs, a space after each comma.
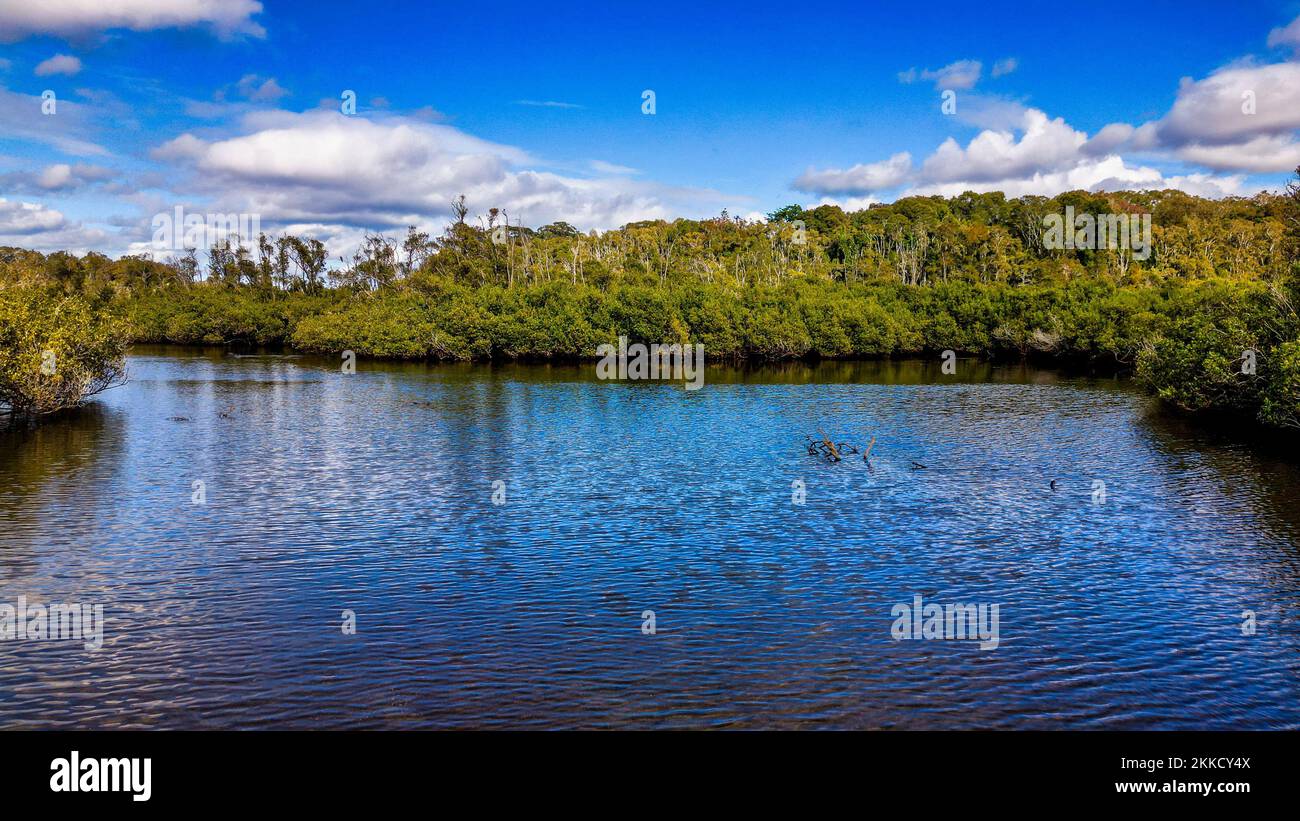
{"points": [[115, 111]]}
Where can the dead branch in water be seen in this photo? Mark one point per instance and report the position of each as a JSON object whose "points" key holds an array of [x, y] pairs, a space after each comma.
{"points": [[866, 457], [831, 451], [834, 454]]}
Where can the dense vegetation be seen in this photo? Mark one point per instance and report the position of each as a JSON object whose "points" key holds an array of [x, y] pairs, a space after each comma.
{"points": [[56, 349], [918, 276]]}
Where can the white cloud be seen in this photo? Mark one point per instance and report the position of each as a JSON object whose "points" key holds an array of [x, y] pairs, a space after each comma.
{"points": [[1206, 185], [72, 18], [258, 89], [989, 111], [1216, 110], [962, 74], [32, 225], [1005, 66], [345, 174], [602, 167], [59, 64], [1045, 145], [547, 104], [60, 177], [1260, 155], [1109, 139], [856, 181], [1105, 174], [1243, 117], [69, 130], [27, 218], [1041, 156], [849, 204], [1289, 36], [186, 146]]}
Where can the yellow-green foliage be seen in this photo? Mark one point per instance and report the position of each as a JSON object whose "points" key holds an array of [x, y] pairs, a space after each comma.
{"points": [[56, 349], [917, 276]]}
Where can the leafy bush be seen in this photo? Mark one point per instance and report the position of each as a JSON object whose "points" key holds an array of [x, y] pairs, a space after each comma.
{"points": [[56, 350]]}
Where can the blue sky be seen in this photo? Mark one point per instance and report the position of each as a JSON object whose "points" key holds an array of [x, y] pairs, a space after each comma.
{"points": [[233, 105]]}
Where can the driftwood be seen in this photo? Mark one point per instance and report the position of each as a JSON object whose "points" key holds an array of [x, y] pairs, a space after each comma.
{"points": [[866, 457], [836, 451], [831, 451], [830, 448]]}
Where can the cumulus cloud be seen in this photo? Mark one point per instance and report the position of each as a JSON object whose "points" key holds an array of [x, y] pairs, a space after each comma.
{"points": [[1243, 117], [1005, 66], [21, 218], [186, 146], [1110, 173], [1049, 156], [1208, 185], [59, 177], [1040, 155], [857, 181], [344, 174], [962, 74], [1109, 139], [1045, 144], [58, 64], [1239, 118], [847, 203], [1260, 155], [1233, 104], [32, 225], [75, 18]]}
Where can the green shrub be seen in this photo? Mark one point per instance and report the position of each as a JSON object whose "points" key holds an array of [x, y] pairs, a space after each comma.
{"points": [[56, 350]]}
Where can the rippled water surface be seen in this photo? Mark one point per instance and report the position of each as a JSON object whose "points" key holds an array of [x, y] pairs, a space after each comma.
{"points": [[373, 493]]}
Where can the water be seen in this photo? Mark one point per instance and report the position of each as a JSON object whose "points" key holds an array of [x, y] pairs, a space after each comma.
{"points": [[373, 493]]}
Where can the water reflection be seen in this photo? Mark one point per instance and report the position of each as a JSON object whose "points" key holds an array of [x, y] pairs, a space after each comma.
{"points": [[47, 473], [373, 492]]}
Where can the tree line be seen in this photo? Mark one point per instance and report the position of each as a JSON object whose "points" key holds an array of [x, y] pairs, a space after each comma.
{"points": [[1206, 320]]}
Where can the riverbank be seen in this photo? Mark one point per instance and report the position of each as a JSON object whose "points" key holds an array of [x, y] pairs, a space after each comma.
{"points": [[1207, 346], [1205, 318], [1215, 346]]}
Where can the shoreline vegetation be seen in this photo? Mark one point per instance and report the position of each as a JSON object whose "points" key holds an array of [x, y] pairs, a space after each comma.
{"points": [[1205, 318]]}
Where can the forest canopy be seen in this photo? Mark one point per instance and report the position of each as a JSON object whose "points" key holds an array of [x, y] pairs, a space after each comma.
{"points": [[1216, 289]]}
